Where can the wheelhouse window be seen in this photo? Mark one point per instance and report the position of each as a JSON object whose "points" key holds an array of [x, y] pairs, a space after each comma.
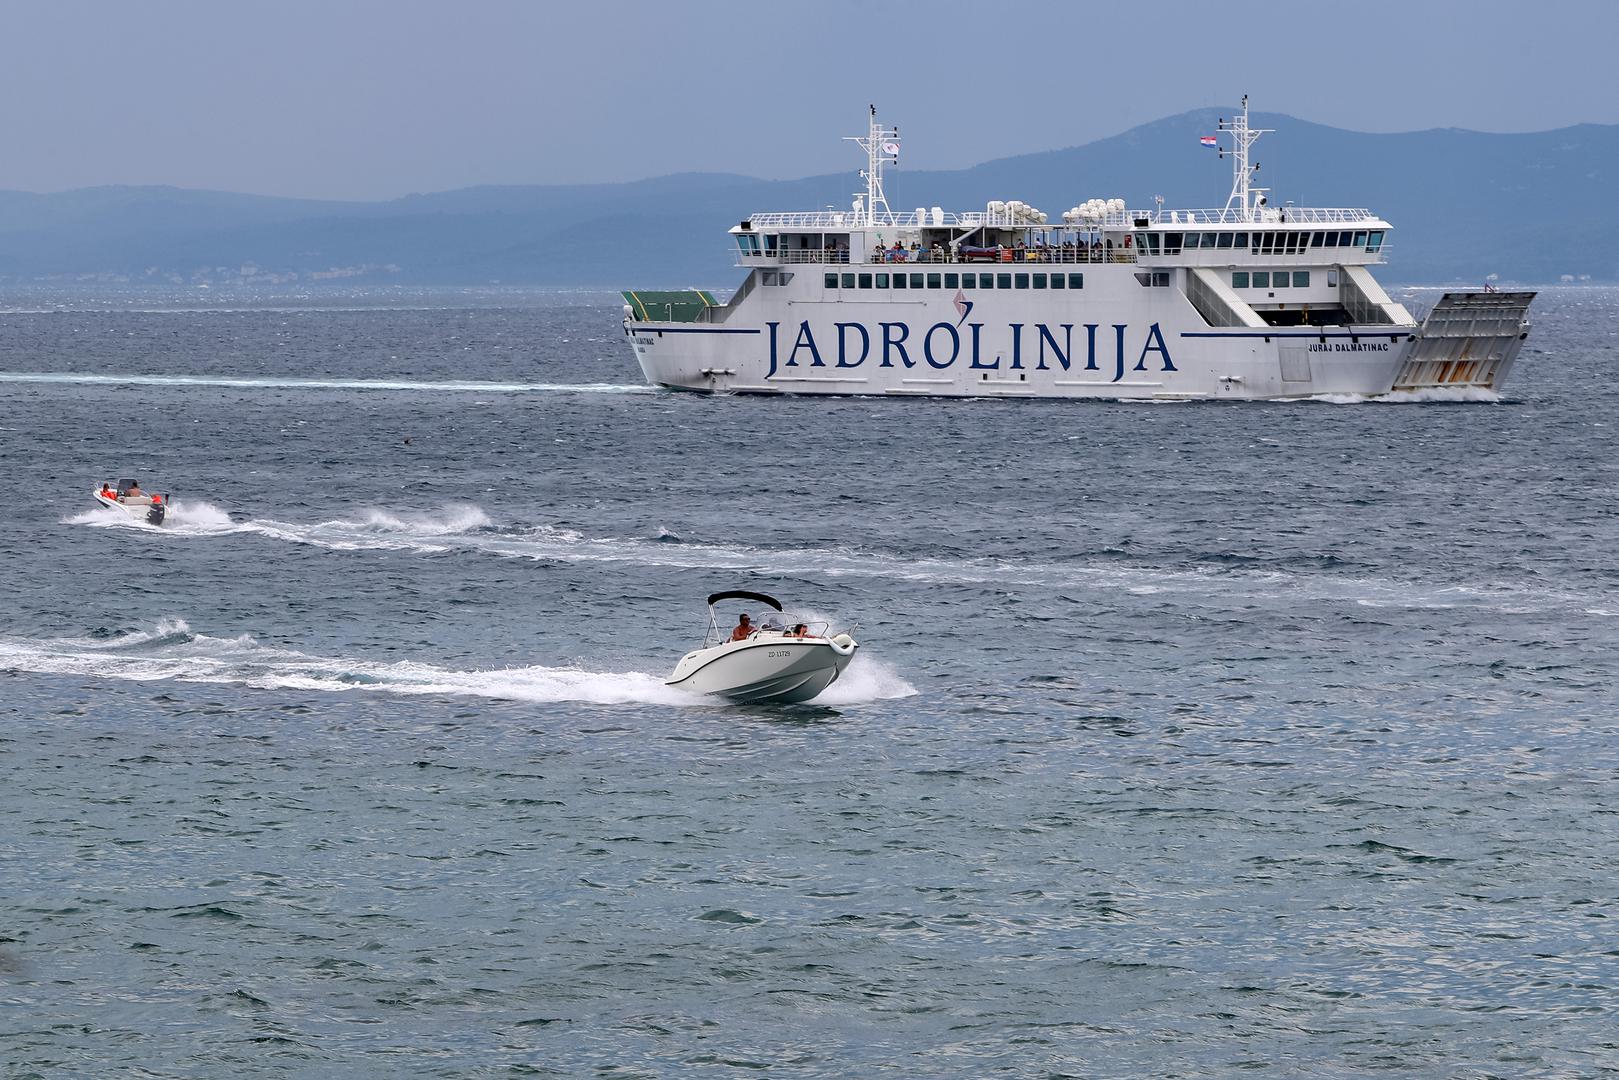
{"points": [[1316, 239], [1278, 280], [1374, 242], [1172, 244], [1301, 279], [1224, 239], [1239, 279], [1261, 279], [1191, 241]]}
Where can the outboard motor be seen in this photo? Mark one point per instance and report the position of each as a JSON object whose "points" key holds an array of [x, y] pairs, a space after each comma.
{"points": [[159, 507]]}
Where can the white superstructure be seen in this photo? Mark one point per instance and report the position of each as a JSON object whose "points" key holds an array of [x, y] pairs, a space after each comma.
{"points": [[1246, 301]]}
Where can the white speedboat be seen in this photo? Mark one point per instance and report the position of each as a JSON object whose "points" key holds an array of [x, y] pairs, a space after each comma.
{"points": [[780, 659], [126, 495]]}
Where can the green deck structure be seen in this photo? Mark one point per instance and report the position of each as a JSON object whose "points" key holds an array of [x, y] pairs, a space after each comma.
{"points": [[685, 305]]}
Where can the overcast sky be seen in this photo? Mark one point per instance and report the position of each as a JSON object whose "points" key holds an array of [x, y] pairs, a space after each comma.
{"points": [[371, 99]]}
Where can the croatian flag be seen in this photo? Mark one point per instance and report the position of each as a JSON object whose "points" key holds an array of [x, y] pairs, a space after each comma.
{"points": [[1209, 141]]}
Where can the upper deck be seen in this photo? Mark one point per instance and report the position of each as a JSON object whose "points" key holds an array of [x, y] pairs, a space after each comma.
{"points": [[1246, 231]]}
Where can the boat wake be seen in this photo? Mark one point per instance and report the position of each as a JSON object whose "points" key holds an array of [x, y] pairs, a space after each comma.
{"points": [[467, 528], [245, 383], [185, 517], [1441, 395], [172, 650]]}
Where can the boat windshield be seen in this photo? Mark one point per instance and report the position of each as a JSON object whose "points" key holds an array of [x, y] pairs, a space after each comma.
{"points": [[761, 619]]}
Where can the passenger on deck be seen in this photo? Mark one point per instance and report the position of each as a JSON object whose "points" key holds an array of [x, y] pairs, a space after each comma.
{"points": [[134, 491], [744, 629], [800, 630]]}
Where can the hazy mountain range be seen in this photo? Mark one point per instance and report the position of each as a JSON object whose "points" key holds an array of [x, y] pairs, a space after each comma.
{"points": [[1529, 207]]}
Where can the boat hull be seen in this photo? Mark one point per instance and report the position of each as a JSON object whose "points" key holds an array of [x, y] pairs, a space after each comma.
{"points": [[141, 509], [1113, 340], [773, 670]]}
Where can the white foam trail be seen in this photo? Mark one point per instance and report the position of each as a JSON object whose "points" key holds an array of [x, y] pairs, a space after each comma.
{"points": [[865, 680], [1430, 395], [173, 651], [466, 527], [322, 384], [185, 517]]}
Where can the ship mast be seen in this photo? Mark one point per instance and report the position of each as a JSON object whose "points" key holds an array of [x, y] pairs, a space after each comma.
{"points": [[1244, 197], [882, 148]]}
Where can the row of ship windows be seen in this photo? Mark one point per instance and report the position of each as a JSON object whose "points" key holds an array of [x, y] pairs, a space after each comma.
{"points": [[955, 281], [1260, 243], [1269, 279]]}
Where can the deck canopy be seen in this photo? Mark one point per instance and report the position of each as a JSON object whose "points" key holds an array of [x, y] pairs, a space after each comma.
{"points": [[742, 594]]}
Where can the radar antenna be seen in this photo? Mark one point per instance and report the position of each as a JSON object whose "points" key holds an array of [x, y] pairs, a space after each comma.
{"points": [[882, 148], [1245, 199]]}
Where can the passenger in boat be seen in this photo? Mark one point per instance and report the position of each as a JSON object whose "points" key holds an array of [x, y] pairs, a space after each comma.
{"points": [[134, 491], [800, 630], [744, 629]]}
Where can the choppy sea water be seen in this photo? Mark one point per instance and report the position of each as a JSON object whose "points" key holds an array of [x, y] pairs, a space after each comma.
{"points": [[1185, 740]]}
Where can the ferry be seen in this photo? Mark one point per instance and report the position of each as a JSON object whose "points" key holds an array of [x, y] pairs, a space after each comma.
{"points": [[1248, 301]]}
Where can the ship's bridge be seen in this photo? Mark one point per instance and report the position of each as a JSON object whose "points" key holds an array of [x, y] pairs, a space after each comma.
{"points": [[1201, 238]]}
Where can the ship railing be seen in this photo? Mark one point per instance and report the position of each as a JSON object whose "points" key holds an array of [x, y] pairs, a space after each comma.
{"points": [[1277, 215], [848, 219], [981, 256], [1120, 219]]}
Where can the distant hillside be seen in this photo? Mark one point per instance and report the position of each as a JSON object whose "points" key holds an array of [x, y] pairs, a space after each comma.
{"points": [[1464, 205]]}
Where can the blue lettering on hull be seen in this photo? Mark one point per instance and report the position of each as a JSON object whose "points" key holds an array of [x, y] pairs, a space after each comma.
{"points": [[942, 347]]}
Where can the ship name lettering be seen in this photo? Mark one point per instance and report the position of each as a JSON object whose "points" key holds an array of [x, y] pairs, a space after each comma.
{"points": [[1350, 346], [942, 346]]}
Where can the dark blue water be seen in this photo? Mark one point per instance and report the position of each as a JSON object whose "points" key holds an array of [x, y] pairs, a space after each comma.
{"points": [[1186, 740]]}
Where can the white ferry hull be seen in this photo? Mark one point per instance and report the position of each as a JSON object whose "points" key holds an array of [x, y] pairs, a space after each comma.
{"points": [[1071, 350]]}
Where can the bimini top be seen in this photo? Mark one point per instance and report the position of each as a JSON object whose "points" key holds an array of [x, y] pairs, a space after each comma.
{"points": [[742, 594]]}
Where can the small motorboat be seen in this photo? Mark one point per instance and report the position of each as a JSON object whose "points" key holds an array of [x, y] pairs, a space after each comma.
{"points": [[781, 659], [126, 495]]}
